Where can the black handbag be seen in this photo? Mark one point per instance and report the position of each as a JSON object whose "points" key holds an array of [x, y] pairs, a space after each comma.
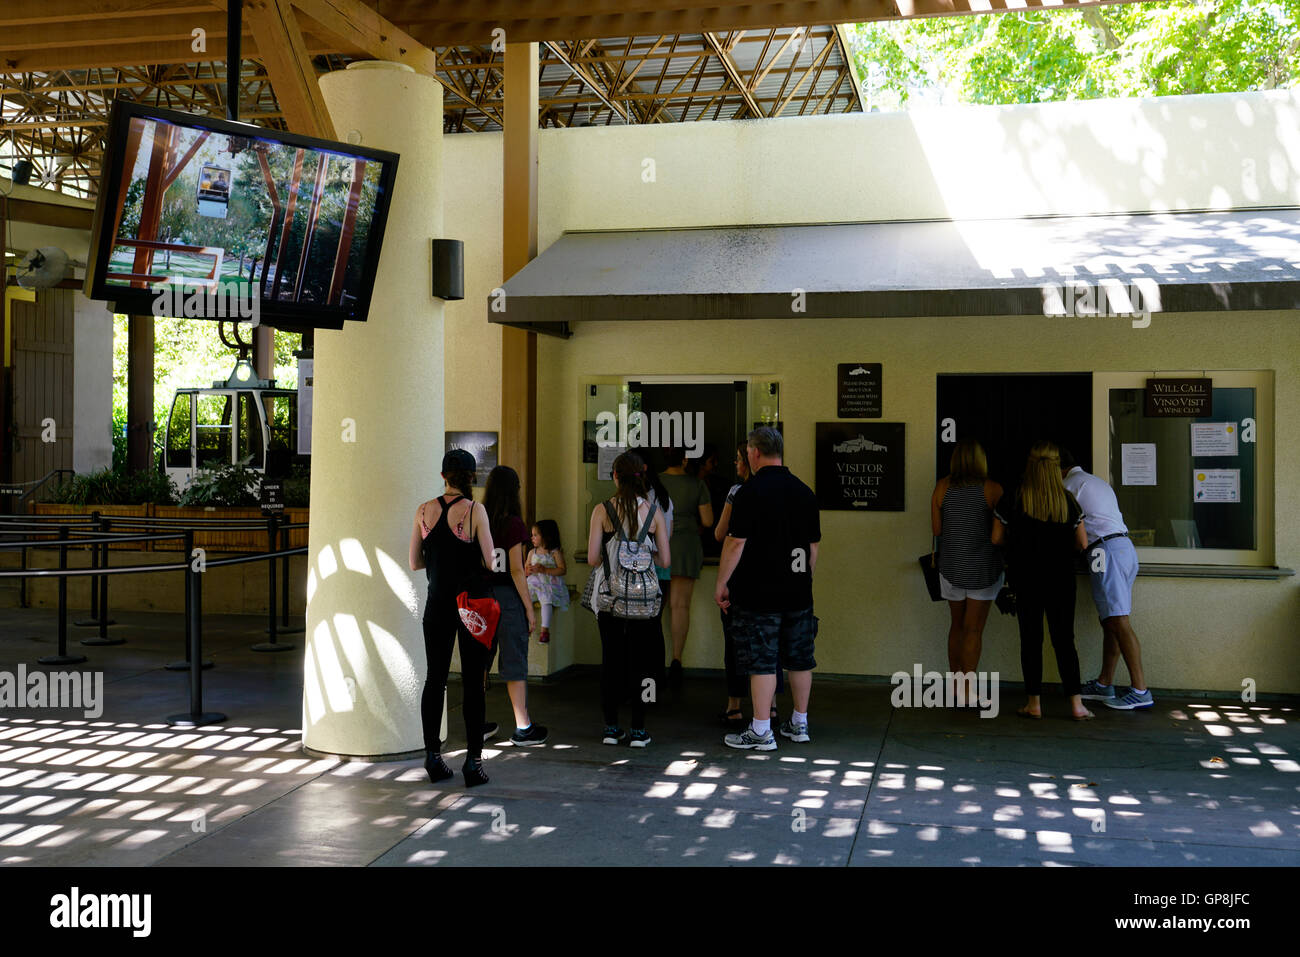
{"points": [[930, 569], [1006, 600]]}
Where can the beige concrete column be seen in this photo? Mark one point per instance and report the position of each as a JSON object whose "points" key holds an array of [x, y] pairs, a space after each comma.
{"points": [[377, 431]]}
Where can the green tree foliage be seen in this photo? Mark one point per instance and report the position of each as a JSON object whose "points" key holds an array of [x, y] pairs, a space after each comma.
{"points": [[1120, 50]]}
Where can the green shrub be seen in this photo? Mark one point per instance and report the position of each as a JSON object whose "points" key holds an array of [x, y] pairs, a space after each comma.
{"points": [[119, 439], [297, 487], [116, 487], [230, 485]]}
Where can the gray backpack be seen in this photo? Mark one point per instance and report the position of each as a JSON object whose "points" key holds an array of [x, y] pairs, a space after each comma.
{"points": [[631, 585]]}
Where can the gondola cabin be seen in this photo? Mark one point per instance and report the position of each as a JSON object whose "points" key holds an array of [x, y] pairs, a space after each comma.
{"points": [[254, 423], [213, 192]]}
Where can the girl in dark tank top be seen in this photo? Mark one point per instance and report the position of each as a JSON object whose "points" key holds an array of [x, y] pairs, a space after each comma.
{"points": [[454, 559]]}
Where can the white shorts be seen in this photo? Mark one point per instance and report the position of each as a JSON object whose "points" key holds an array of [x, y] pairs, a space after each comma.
{"points": [[956, 593]]}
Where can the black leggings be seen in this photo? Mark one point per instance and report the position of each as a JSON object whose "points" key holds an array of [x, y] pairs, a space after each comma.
{"points": [[1056, 599], [631, 650], [442, 628]]}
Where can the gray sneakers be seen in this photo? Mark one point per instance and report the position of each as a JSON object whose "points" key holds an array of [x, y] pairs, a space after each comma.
{"points": [[1132, 701], [795, 732], [1094, 690], [748, 740]]}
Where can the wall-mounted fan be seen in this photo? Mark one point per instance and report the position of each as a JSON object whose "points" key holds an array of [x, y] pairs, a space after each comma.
{"points": [[42, 268]]}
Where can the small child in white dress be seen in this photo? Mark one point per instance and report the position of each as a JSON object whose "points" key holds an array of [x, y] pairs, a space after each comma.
{"points": [[545, 568]]}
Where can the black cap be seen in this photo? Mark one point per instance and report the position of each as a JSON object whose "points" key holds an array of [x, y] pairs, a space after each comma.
{"points": [[458, 460]]}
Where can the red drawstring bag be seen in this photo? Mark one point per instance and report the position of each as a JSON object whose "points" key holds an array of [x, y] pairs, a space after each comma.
{"points": [[480, 617]]}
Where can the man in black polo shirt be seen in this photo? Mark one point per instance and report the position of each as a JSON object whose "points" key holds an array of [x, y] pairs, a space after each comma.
{"points": [[765, 583]]}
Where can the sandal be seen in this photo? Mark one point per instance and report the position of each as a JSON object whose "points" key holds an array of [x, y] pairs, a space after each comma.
{"points": [[732, 719], [1086, 716], [1026, 713]]}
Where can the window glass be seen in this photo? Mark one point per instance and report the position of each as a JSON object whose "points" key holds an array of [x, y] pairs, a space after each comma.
{"points": [[212, 436], [250, 432], [1202, 490], [178, 433], [282, 418]]}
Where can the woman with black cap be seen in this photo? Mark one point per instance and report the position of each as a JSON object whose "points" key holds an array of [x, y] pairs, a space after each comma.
{"points": [[452, 541]]}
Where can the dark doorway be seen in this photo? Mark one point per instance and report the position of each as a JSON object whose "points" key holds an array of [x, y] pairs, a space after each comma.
{"points": [[725, 423], [1008, 413]]}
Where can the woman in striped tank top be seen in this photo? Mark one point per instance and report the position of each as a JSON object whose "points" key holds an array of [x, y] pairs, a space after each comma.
{"points": [[970, 567]]}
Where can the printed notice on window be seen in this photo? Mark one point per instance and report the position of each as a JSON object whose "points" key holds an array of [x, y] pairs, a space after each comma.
{"points": [[1137, 463], [605, 461], [1214, 438], [1216, 485]]}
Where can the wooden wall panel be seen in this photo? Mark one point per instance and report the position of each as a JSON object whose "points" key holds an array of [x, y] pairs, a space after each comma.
{"points": [[43, 376]]}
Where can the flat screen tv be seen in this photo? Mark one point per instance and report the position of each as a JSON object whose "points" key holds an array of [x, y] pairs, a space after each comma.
{"points": [[205, 218]]}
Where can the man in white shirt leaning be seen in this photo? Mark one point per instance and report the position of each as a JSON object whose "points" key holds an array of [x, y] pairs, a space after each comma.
{"points": [[1112, 587]]}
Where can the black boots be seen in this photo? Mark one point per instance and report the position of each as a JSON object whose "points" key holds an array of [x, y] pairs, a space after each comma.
{"points": [[437, 767], [473, 771], [438, 770]]}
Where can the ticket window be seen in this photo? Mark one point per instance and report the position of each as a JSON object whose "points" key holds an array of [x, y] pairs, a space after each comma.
{"points": [[1008, 413], [722, 410], [1193, 490]]}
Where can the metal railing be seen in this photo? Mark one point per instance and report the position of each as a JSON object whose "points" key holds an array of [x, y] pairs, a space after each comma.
{"points": [[95, 532], [23, 491]]}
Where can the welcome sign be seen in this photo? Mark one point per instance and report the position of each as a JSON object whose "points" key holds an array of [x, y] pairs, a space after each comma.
{"points": [[860, 466]]}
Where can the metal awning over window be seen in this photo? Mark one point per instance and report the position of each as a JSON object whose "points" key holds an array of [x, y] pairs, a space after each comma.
{"points": [[1190, 262]]}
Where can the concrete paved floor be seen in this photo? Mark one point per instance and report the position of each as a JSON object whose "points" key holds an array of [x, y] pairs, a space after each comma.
{"points": [[1194, 782]]}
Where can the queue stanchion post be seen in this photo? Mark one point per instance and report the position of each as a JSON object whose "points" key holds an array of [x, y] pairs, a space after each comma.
{"points": [[22, 582], [94, 563], [99, 584], [272, 645], [285, 629], [189, 607], [196, 717], [63, 658]]}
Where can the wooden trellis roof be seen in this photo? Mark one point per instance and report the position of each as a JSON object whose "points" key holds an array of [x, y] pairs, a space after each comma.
{"points": [[62, 62]]}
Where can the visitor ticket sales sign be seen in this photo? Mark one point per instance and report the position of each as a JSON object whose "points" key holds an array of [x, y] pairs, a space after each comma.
{"points": [[857, 390], [1168, 398], [860, 466]]}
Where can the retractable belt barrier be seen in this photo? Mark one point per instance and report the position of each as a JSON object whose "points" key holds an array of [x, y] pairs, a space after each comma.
{"points": [[96, 532]]}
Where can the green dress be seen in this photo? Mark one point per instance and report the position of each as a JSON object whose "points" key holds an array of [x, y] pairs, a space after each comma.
{"points": [[688, 494]]}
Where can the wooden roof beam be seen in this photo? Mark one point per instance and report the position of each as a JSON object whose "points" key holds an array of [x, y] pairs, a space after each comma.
{"points": [[587, 79], [288, 64], [846, 53], [442, 22], [360, 27], [135, 54], [49, 214], [733, 74]]}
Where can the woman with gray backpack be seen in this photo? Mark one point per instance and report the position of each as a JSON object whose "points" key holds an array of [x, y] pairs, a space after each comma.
{"points": [[628, 538]]}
